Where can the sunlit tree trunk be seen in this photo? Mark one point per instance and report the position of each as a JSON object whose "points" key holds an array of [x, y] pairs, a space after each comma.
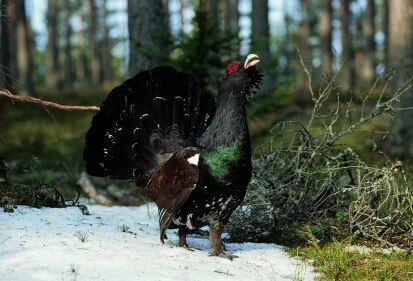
{"points": [[106, 46], [289, 53], [147, 24], [326, 31], [52, 51], [400, 56], [181, 12], [369, 46], [304, 44], [68, 58], [80, 67], [94, 44], [347, 54], [385, 9]]}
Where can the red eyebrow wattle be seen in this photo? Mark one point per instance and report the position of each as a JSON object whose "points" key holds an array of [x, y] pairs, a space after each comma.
{"points": [[232, 66]]}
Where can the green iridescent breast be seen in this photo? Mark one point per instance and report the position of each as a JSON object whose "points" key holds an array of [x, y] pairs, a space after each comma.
{"points": [[222, 161]]}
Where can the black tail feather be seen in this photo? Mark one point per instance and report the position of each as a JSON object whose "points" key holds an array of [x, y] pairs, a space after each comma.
{"points": [[143, 121]]}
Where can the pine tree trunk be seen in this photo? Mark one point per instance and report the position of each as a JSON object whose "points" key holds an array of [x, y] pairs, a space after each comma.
{"points": [[52, 52], [68, 66], [181, 13], [347, 54], [304, 45], [80, 67], [260, 30], [400, 56], [234, 15], [165, 4], [326, 31], [4, 47], [147, 25], [107, 47], [288, 52], [93, 30], [260, 36], [24, 51], [231, 21], [9, 43], [386, 9], [369, 46]]}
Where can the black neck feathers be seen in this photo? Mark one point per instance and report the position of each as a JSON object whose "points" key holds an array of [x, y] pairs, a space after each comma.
{"points": [[229, 125]]}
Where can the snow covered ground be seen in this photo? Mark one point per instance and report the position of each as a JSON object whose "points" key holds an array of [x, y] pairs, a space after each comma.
{"points": [[63, 244]]}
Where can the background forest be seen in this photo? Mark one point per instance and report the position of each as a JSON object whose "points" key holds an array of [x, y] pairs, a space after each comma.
{"points": [[331, 124], [76, 48]]}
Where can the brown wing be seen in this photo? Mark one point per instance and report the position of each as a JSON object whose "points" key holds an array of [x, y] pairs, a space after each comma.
{"points": [[172, 183]]}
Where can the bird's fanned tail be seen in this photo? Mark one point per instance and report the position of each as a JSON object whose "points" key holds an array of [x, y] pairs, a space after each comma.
{"points": [[144, 121]]}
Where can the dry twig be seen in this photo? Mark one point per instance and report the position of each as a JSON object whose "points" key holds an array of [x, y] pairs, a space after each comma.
{"points": [[46, 104], [308, 179]]}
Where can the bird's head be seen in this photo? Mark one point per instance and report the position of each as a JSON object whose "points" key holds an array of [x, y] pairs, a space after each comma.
{"points": [[242, 78]]}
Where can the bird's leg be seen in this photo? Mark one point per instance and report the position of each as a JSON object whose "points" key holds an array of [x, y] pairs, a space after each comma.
{"points": [[182, 231], [216, 242]]}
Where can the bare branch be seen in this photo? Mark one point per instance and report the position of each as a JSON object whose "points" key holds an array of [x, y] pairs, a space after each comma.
{"points": [[46, 104]]}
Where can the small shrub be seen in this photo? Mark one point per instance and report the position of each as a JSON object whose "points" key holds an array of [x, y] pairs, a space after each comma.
{"points": [[82, 236], [126, 229], [307, 177], [8, 208]]}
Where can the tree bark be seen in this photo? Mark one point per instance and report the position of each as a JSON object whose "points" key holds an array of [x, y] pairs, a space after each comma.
{"points": [[347, 53], [231, 15], [304, 44], [260, 30], [231, 21], [260, 36], [400, 56], [24, 51], [147, 25], [288, 52], [326, 31], [81, 59], [52, 53], [9, 43], [386, 9], [93, 30], [369, 45], [107, 46], [68, 67]]}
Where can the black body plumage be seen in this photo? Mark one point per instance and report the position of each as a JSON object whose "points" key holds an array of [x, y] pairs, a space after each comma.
{"points": [[162, 130]]}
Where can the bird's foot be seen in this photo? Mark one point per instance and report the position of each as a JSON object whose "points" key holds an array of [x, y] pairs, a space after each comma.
{"points": [[186, 247], [223, 255]]}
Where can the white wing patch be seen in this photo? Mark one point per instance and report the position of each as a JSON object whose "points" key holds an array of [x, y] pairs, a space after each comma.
{"points": [[194, 159]]}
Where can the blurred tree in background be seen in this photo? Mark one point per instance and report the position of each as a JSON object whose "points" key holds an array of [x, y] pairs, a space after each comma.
{"points": [[401, 58], [147, 25], [54, 47]]}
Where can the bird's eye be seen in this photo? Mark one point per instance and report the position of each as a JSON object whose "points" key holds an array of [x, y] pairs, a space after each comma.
{"points": [[232, 66]]}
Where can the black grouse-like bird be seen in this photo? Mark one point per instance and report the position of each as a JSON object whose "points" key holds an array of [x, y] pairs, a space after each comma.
{"points": [[162, 130]]}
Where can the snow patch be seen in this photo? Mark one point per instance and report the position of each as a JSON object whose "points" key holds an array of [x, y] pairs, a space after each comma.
{"points": [[43, 244]]}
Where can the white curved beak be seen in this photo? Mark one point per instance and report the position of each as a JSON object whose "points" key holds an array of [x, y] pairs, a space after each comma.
{"points": [[252, 59]]}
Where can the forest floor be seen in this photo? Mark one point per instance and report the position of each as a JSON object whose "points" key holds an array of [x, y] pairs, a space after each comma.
{"points": [[46, 147], [122, 243]]}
